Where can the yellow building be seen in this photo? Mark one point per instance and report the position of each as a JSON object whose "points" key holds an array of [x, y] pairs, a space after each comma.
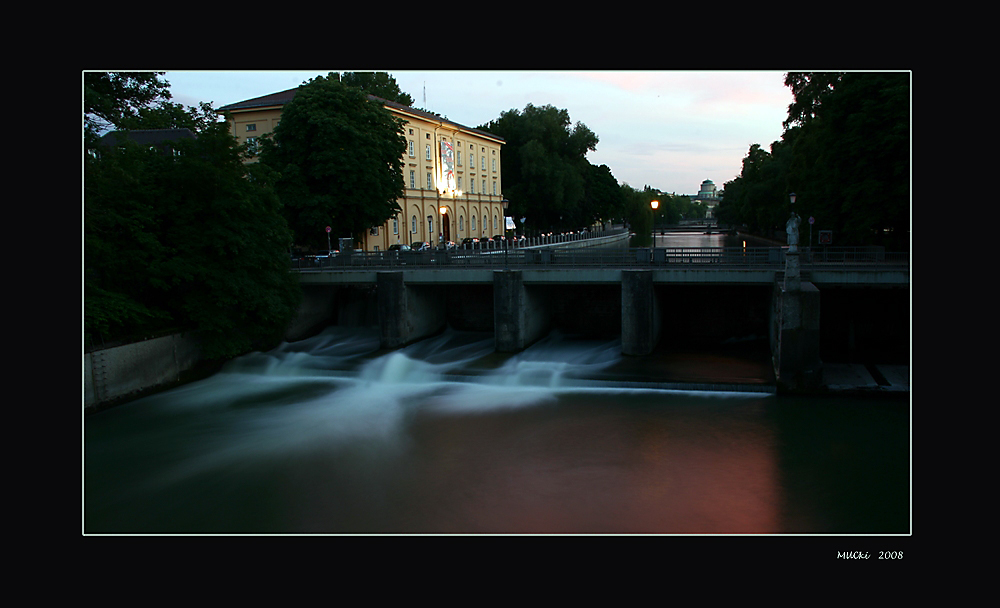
{"points": [[451, 174]]}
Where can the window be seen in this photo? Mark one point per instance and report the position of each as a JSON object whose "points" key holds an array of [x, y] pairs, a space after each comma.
{"points": [[252, 127], [414, 224], [428, 151], [472, 184], [252, 145], [484, 187], [412, 152], [458, 157], [395, 225], [494, 165], [374, 231], [430, 184], [411, 131], [461, 223], [472, 222], [413, 179], [494, 223], [494, 188], [458, 185], [485, 223], [484, 160]]}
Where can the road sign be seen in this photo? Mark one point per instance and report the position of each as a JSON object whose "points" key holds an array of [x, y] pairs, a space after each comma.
{"points": [[328, 229], [825, 237], [812, 220]]}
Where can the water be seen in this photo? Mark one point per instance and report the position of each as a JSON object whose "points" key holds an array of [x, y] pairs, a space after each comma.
{"points": [[331, 435]]}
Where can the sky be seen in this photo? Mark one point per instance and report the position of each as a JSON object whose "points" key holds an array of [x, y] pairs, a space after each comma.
{"points": [[670, 130]]}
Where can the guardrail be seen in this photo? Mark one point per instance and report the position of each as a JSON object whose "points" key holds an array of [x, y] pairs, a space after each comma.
{"points": [[706, 257]]}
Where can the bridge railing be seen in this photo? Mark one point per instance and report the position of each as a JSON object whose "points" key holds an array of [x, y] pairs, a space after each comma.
{"points": [[705, 257]]}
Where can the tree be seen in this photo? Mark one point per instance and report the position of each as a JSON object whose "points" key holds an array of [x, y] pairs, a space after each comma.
{"points": [[545, 166], [111, 98], [844, 152], [337, 159], [379, 84], [194, 241]]}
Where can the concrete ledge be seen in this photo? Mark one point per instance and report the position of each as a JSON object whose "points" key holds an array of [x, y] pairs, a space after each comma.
{"points": [[115, 373]]}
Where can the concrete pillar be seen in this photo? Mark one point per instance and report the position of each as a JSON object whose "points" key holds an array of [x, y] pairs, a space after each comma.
{"points": [[520, 316], [407, 313], [640, 313], [795, 338]]}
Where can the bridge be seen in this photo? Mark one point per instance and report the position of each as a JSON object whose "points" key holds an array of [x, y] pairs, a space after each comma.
{"points": [[644, 295], [715, 265]]}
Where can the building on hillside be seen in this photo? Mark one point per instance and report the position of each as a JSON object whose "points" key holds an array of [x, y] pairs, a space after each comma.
{"points": [[451, 174]]}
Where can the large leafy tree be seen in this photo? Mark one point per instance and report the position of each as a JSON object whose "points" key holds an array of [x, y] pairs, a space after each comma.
{"points": [[545, 166], [187, 241], [845, 153], [379, 84], [337, 161], [112, 98]]}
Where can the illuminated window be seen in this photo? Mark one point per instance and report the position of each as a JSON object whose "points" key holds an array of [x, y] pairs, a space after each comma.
{"points": [[251, 127]]}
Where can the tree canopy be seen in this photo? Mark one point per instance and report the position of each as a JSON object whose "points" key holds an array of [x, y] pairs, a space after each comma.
{"points": [[379, 84], [546, 173], [190, 240], [845, 153], [336, 160]]}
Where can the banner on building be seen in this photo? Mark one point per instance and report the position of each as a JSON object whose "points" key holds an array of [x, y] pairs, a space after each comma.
{"points": [[447, 165]]}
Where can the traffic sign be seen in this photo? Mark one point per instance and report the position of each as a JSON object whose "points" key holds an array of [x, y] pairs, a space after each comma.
{"points": [[825, 237], [328, 229], [812, 220]]}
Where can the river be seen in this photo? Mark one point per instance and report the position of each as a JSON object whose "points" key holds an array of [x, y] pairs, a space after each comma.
{"points": [[332, 436]]}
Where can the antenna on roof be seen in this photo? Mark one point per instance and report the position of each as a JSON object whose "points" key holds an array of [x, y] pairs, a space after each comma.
{"points": [[425, 93]]}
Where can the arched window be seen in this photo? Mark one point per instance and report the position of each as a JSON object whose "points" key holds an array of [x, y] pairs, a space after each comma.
{"points": [[413, 227]]}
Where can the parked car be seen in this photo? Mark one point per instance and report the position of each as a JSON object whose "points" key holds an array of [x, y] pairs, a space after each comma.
{"points": [[420, 246], [449, 246], [398, 247], [469, 242]]}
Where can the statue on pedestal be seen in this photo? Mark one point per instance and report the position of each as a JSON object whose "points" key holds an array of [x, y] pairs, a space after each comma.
{"points": [[792, 228]]}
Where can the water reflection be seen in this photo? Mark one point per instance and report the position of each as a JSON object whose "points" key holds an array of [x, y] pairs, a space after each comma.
{"points": [[331, 435]]}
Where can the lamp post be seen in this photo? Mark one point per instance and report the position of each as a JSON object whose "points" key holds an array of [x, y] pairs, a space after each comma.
{"points": [[652, 228]]}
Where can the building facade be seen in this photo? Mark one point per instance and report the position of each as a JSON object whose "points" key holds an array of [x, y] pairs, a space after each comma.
{"points": [[451, 174]]}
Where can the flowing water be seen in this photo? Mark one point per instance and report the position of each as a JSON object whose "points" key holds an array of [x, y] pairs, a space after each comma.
{"points": [[332, 435]]}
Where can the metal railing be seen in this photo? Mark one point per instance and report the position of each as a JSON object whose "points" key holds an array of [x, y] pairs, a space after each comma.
{"points": [[693, 257]]}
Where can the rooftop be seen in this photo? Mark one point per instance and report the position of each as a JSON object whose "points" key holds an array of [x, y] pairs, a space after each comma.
{"points": [[283, 97]]}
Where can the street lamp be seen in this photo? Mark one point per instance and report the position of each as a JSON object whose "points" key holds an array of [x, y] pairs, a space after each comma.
{"points": [[652, 227]]}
